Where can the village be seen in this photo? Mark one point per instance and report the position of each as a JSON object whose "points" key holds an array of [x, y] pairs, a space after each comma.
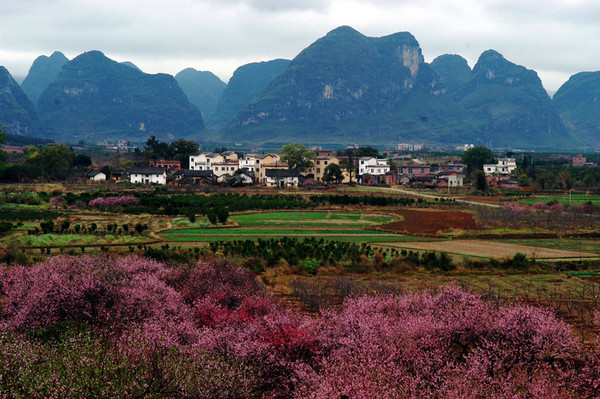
{"points": [[210, 168]]}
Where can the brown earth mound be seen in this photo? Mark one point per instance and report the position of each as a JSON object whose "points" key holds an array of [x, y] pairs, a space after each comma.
{"points": [[430, 222]]}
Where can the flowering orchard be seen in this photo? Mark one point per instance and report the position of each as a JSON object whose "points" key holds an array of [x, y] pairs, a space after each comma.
{"points": [[133, 327], [110, 202]]}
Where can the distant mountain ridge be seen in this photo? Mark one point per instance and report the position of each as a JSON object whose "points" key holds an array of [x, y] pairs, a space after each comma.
{"points": [[17, 112], [95, 98], [344, 88], [247, 82], [578, 103], [346, 85], [42, 72], [513, 106], [204, 89]]}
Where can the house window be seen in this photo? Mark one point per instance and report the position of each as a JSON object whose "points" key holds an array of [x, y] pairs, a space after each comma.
{"points": [[318, 170], [318, 162], [325, 162]]}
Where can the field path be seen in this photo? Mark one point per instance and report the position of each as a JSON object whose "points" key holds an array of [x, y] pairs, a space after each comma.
{"points": [[489, 249], [430, 196]]}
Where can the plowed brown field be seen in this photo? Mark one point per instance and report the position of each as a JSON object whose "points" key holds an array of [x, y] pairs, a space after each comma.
{"points": [[430, 222]]}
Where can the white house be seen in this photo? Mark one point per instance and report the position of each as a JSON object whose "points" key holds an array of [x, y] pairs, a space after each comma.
{"points": [[206, 160], [455, 179], [282, 177], [504, 166], [148, 175], [372, 166], [97, 176]]}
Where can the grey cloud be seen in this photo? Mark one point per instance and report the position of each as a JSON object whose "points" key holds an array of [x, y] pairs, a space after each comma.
{"points": [[280, 5]]}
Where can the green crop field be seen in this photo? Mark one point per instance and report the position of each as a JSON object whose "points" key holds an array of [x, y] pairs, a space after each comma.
{"points": [[565, 199], [328, 225], [592, 246]]}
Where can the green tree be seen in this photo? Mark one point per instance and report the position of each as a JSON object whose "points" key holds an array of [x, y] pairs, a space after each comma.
{"points": [[3, 133], [82, 161], [348, 166], [543, 179], [476, 157], [155, 149], [297, 156], [566, 180], [588, 181], [333, 173], [524, 180], [480, 181], [367, 152], [55, 161], [181, 150]]}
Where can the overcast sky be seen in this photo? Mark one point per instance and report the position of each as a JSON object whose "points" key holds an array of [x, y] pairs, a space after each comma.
{"points": [[556, 38]]}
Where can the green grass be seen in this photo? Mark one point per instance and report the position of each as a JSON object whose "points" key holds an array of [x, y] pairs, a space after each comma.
{"points": [[592, 246], [310, 219], [369, 189], [328, 225], [75, 239], [576, 199]]}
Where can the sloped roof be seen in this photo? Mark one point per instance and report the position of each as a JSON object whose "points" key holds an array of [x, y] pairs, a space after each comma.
{"points": [[194, 173], [281, 173], [146, 170]]}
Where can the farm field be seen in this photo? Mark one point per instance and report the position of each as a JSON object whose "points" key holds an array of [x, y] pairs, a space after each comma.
{"points": [[588, 246], [565, 199], [489, 249], [328, 225]]}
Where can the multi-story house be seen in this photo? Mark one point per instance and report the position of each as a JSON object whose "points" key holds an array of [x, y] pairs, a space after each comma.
{"points": [[319, 166], [372, 166], [205, 160], [414, 170], [504, 166], [452, 166]]}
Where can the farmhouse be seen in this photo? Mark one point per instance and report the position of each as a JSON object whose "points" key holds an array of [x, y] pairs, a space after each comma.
{"points": [[452, 166], [187, 177], [205, 161], [96, 176], [167, 164], [148, 175], [414, 170], [503, 167], [501, 182], [372, 166], [282, 177]]}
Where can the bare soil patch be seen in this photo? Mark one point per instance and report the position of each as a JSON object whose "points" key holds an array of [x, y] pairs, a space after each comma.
{"points": [[430, 222], [489, 249]]}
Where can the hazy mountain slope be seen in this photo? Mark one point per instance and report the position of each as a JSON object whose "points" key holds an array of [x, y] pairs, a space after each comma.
{"points": [[202, 88], [453, 70], [578, 103], [42, 72], [347, 86], [247, 83], [513, 105], [17, 112], [97, 98]]}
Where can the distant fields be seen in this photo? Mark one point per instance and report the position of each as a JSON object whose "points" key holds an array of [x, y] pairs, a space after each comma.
{"points": [[328, 225], [565, 199]]}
